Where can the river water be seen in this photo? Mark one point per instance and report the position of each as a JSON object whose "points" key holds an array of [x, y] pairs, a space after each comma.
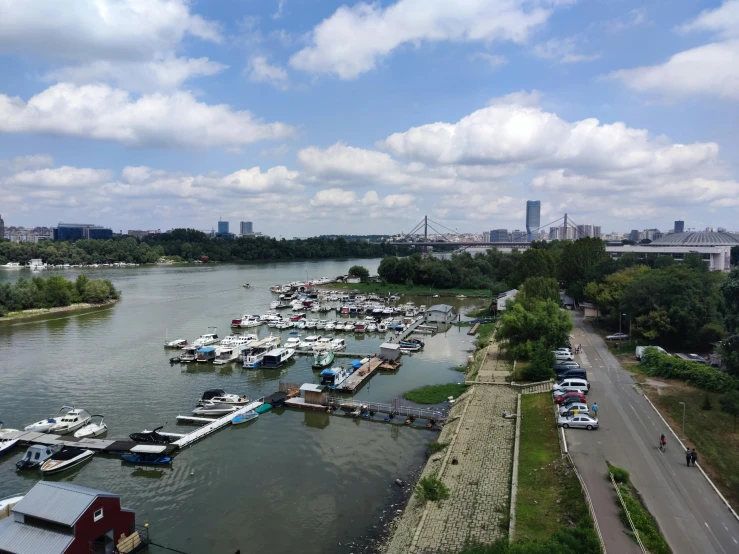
{"points": [[291, 480]]}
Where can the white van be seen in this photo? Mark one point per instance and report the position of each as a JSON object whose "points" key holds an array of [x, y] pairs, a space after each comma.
{"points": [[568, 385], [641, 349]]}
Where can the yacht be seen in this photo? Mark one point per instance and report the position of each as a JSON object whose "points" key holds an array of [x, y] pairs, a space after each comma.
{"points": [[219, 397], [308, 342], [92, 429], [189, 354], [338, 344], [211, 409], [238, 321], [206, 339], [238, 340], [255, 352], [67, 457], [275, 358], [37, 455], [330, 326], [71, 421], [225, 354], [311, 324], [324, 343], [323, 358], [334, 377], [45, 425], [382, 327], [284, 324], [274, 304], [293, 342], [321, 324], [6, 444], [371, 327], [251, 321]]}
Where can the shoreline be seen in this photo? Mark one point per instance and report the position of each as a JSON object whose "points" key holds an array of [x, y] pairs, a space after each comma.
{"points": [[42, 313], [403, 290]]}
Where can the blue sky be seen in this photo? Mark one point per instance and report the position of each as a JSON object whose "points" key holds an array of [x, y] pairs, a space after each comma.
{"points": [[311, 117]]}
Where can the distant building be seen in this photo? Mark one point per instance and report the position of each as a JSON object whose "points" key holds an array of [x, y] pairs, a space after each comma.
{"points": [[141, 234], [652, 234], [554, 233], [499, 235], [486, 236], [518, 236], [246, 228], [596, 231], [584, 231], [222, 227], [635, 235], [533, 218], [80, 231], [679, 226], [2, 227]]}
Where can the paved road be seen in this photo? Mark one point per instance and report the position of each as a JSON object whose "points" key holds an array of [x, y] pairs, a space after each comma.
{"points": [[690, 514]]}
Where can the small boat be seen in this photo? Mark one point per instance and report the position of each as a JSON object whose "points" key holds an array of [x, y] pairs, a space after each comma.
{"points": [[243, 418], [246, 285], [45, 425], [92, 429], [146, 454], [7, 444], [11, 265], [190, 354], [382, 327], [275, 358], [221, 398], [334, 377], [338, 344], [324, 343], [371, 327], [71, 421], [410, 347], [209, 408], [206, 339], [66, 458], [292, 342], [323, 358], [330, 326], [206, 354], [360, 327], [179, 343], [411, 342], [37, 455], [154, 437]]}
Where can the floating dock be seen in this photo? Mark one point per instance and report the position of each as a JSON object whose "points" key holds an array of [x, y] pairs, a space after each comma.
{"points": [[98, 445], [360, 376], [212, 425], [338, 353]]}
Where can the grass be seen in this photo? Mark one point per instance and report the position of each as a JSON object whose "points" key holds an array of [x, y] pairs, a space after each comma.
{"points": [[436, 446], [419, 290], [431, 488], [710, 432], [484, 333], [435, 394]]}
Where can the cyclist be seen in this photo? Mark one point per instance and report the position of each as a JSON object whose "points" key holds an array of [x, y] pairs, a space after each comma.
{"points": [[662, 443]]}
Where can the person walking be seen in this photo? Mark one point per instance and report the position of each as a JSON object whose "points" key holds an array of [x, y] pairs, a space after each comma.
{"points": [[688, 456], [693, 457], [595, 410]]}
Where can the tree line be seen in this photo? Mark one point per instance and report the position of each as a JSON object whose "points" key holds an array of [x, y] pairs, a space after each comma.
{"points": [[53, 292]]}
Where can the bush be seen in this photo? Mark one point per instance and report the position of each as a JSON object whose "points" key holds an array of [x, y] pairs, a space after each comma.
{"points": [[540, 365], [706, 404], [620, 475], [704, 377], [431, 488]]}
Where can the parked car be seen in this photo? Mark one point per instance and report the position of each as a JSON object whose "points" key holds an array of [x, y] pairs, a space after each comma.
{"points": [[581, 407], [564, 349], [578, 421], [617, 336], [563, 366], [562, 355], [570, 400], [640, 350], [572, 384], [573, 373], [562, 398]]}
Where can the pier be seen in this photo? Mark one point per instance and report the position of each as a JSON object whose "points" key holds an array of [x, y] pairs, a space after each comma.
{"points": [[98, 445], [408, 330], [395, 409], [337, 353], [360, 376], [212, 425]]}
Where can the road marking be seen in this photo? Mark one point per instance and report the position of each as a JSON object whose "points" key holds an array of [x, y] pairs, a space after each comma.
{"points": [[722, 523], [733, 539]]}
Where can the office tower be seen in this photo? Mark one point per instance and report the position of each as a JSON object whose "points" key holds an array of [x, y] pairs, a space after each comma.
{"points": [[596, 231], [486, 236], [533, 218], [635, 235], [499, 235], [75, 231], [222, 227], [584, 231], [247, 228], [2, 228], [518, 236], [679, 226]]}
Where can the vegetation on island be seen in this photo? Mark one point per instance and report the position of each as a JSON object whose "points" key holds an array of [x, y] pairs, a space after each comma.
{"points": [[54, 292]]}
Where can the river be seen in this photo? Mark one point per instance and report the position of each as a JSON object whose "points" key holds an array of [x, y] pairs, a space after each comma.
{"points": [[291, 480]]}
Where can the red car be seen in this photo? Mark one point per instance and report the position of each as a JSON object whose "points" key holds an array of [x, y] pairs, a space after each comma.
{"points": [[572, 394]]}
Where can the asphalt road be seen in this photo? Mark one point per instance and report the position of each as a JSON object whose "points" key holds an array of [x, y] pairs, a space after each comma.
{"points": [[691, 516]]}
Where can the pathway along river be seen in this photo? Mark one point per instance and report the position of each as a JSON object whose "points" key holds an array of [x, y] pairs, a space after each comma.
{"points": [[289, 481]]}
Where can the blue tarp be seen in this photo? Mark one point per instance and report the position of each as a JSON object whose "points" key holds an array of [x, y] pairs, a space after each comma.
{"points": [[206, 349], [356, 364]]}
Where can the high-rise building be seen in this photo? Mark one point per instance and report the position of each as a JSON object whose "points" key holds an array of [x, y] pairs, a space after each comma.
{"points": [[584, 231], [2, 228], [518, 236], [246, 228], [553, 233], [223, 227], [499, 235], [596, 231], [635, 235], [679, 226], [486, 236], [533, 218], [77, 231]]}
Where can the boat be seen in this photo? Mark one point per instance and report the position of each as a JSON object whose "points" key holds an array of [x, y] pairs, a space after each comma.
{"points": [[153, 437], [382, 327], [338, 344], [411, 342], [311, 323], [284, 324], [36, 455], [146, 454], [11, 265], [237, 321], [323, 358], [190, 354], [292, 342], [209, 408], [334, 377], [6, 444], [206, 354], [238, 340], [66, 458], [92, 429], [410, 347], [45, 425], [206, 339], [308, 342], [371, 327], [225, 354], [360, 327], [245, 417], [255, 351], [275, 358], [71, 421], [330, 326], [221, 398], [178, 343], [324, 343], [246, 285], [321, 324]]}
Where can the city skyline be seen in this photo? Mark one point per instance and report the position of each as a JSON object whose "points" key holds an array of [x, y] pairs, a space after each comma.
{"points": [[616, 113]]}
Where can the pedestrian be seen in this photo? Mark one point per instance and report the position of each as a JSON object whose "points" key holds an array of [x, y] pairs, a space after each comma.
{"points": [[688, 456], [693, 457], [595, 410]]}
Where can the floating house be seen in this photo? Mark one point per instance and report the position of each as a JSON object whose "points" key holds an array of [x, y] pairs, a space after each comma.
{"points": [[441, 313]]}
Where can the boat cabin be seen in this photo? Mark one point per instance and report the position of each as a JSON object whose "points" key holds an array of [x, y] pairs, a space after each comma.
{"points": [[62, 518], [206, 354], [276, 357]]}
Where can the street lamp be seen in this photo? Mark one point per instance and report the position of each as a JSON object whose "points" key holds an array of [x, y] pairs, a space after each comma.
{"points": [[683, 403]]}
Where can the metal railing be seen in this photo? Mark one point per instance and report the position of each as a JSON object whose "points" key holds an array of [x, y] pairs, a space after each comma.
{"points": [[628, 515]]}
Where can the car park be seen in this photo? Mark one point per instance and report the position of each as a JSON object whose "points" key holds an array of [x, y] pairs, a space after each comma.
{"points": [[563, 398], [562, 355], [578, 422], [617, 336], [572, 384]]}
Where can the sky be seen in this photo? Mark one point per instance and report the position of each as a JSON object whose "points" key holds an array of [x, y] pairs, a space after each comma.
{"points": [[316, 117]]}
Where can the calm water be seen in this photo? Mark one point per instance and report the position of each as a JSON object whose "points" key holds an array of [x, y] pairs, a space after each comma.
{"points": [[289, 480]]}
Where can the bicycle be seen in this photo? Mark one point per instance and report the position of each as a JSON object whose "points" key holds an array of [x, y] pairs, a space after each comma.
{"points": [[662, 444]]}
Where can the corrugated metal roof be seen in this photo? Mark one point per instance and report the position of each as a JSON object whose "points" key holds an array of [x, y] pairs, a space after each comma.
{"points": [[699, 238], [20, 538], [60, 502], [441, 308]]}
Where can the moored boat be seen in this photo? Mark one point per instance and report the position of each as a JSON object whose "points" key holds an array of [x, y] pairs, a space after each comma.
{"points": [[211, 409], [226, 354], [36, 455], [147, 454], [153, 437], [6, 444], [71, 421], [206, 354], [334, 377], [45, 425], [244, 418], [221, 398], [277, 357], [92, 429], [177, 343], [68, 457], [323, 358], [207, 339], [338, 344]]}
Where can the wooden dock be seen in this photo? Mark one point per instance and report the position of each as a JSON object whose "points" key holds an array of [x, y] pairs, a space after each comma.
{"points": [[339, 354], [352, 383], [98, 445], [394, 409], [213, 425], [408, 330]]}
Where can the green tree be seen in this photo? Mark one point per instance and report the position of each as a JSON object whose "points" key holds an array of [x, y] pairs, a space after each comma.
{"points": [[96, 292], [655, 324], [730, 404], [538, 288], [522, 329], [540, 365], [534, 262], [662, 262], [578, 259], [609, 294], [695, 261], [359, 271]]}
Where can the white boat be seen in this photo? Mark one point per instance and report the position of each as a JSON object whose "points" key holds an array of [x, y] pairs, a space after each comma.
{"points": [[66, 458], [382, 327], [226, 354], [209, 408], [338, 344], [255, 352], [324, 343], [238, 340], [11, 265], [311, 323], [321, 324], [220, 397], [275, 358], [45, 425], [274, 304], [36, 455], [335, 376], [292, 342], [189, 354], [71, 421], [284, 324], [308, 342], [207, 339], [330, 326], [6, 444], [178, 343], [371, 327], [92, 429]]}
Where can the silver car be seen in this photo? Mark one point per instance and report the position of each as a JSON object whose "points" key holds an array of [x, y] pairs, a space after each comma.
{"points": [[579, 421], [569, 410]]}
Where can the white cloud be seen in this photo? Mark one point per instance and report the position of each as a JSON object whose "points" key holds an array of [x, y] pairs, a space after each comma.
{"points": [[165, 73], [334, 198], [492, 60], [563, 51], [280, 9], [100, 112], [340, 161], [724, 20], [353, 39], [635, 18], [21, 163], [59, 177], [521, 98], [261, 71]]}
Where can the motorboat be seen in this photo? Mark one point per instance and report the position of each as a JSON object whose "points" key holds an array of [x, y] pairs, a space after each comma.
{"points": [[71, 421], [178, 343], [209, 408], [92, 429], [284, 324], [6, 444], [153, 437], [238, 340], [371, 327], [321, 324], [360, 327], [330, 326], [147, 454], [206, 340], [382, 327], [226, 354], [45, 425], [323, 358], [66, 458], [334, 377], [255, 352], [244, 418], [12, 265], [411, 342], [246, 285], [292, 342], [190, 354], [222, 398], [324, 343], [36, 455], [410, 347], [206, 354], [338, 344], [311, 324], [275, 358]]}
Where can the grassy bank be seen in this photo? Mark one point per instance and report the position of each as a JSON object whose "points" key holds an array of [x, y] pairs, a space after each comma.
{"points": [[39, 312], [419, 290], [435, 394], [710, 432]]}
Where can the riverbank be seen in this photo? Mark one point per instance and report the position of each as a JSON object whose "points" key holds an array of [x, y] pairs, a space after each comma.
{"points": [[418, 290], [41, 313]]}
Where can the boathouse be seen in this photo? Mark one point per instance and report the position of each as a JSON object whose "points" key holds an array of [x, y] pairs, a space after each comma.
{"points": [[441, 313], [389, 351], [314, 394], [62, 518]]}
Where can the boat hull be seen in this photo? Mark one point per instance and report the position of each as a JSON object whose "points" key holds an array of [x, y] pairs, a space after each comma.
{"points": [[57, 466], [91, 431], [7, 445], [244, 418]]}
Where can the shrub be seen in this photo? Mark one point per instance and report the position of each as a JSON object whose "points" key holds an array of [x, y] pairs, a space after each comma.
{"points": [[706, 404], [701, 376], [540, 365], [620, 475], [431, 488], [436, 446]]}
